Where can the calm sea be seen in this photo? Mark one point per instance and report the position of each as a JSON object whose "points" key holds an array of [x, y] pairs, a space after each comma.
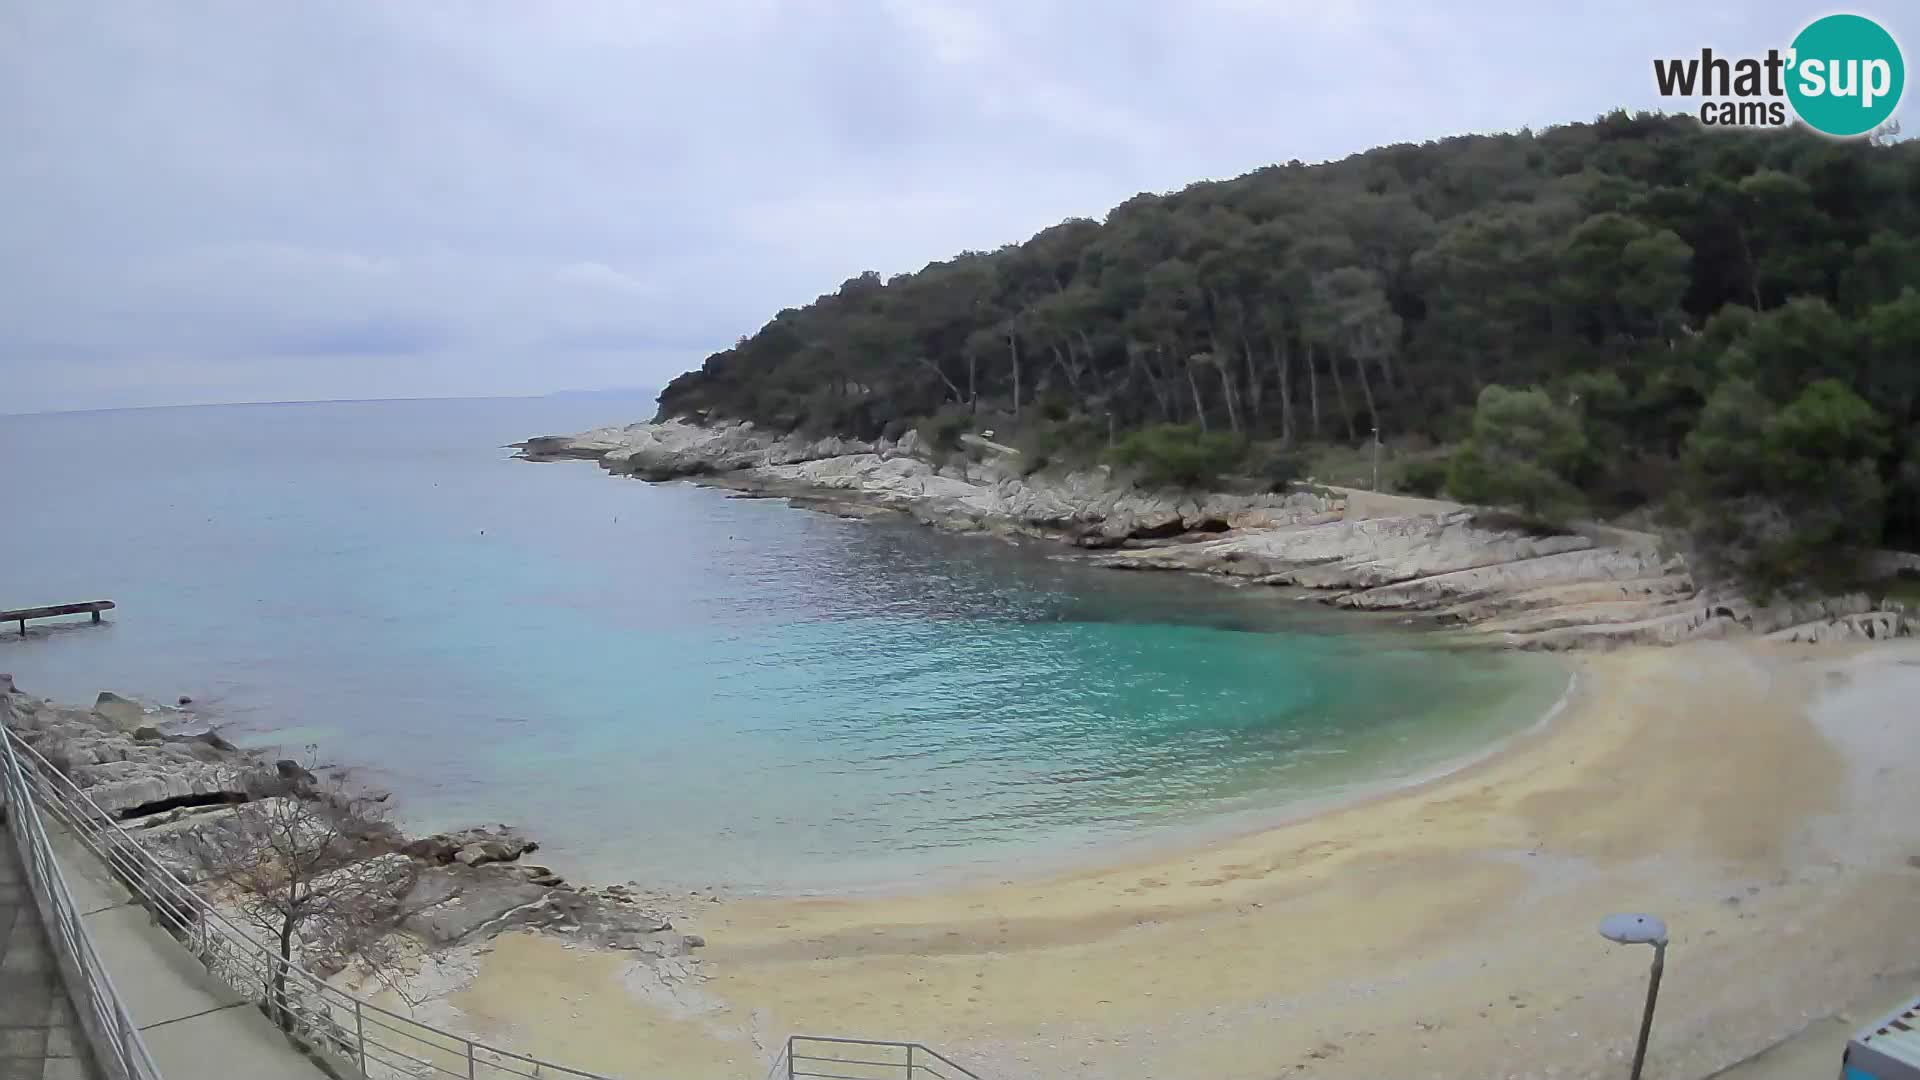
{"points": [[667, 684]]}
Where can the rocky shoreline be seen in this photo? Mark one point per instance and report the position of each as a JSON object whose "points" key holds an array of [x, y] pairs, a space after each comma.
{"points": [[166, 778], [1438, 561]]}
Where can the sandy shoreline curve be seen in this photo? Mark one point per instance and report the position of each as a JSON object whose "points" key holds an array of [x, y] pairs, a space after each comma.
{"points": [[1171, 841], [1757, 795]]}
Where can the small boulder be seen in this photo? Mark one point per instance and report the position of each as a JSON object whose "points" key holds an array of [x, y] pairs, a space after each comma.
{"points": [[1157, 525], [471, 847], [295, 776], [120, 712], [213, 739], [535, 874], [1112, 532]]}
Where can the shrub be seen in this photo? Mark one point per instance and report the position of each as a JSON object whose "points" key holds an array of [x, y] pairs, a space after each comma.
{"points": [[1277, 467], [1784, 496], [1426, 477], [943, 429], [1071, 441], [1179, 455], [1522, 451]]}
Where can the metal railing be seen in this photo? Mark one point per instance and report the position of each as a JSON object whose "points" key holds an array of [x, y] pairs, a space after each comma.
{"points": [[116, 1045], [348, 1031], [820, 1057], [351, 1032]]}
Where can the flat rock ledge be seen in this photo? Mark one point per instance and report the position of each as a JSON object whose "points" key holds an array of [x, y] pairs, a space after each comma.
{"points": [[1427, 559]]}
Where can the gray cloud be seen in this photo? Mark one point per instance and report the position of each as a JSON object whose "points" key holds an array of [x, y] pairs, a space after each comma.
{"points": [[230, 200]]}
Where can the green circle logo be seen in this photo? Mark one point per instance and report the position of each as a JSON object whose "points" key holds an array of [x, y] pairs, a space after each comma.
{"points": [[1846, 75]]}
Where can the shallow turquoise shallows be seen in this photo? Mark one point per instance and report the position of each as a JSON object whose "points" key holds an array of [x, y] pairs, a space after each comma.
{"points": [[666, 684]]}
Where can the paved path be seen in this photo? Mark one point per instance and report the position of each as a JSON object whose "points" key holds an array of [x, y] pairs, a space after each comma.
{"points": [[36, 1022], [195, 1025], [1814, 1053]]}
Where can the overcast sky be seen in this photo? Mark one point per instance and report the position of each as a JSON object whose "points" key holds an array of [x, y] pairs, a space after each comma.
{"points": [[278, 199]]}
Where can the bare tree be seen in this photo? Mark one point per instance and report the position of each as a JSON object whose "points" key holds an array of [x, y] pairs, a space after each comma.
{"points": [[309, 864]]}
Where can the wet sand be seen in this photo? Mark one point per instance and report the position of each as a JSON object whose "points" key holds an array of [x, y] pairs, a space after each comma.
{"points": [[1764, 800]]}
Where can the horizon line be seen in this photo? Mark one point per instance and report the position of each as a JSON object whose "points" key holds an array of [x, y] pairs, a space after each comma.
{"points": [[337, 401]]}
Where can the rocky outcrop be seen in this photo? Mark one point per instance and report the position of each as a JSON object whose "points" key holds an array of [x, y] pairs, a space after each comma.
{"points": [[449, 905], [471, 847], [175, 790], [1864, 626], [122, 713], [963, 492], [1599, 587], [129, 775]]}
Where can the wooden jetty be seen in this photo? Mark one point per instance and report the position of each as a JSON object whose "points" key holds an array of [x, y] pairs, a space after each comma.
{"points": [[21, 615]]}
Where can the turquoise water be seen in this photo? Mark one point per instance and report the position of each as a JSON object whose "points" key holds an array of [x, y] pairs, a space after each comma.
{"points": [[667, 684]]}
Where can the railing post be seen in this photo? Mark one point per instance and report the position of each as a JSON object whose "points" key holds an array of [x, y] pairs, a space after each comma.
{"points": [[360, 1035], [909, 1061], [469, 1043], [789, 1057]]}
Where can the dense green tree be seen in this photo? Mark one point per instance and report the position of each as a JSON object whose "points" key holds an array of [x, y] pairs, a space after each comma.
{"points": [[1787, 495], [1179, 455], [1625, 277], [1647, 271], [1523, 454]]}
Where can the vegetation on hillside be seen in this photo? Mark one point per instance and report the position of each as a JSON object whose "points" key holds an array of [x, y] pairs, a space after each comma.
{"points": [[1598, 317]]}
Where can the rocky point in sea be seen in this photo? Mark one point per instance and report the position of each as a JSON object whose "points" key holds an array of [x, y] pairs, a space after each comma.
{"points": [[164, 778], [1455, 565]]}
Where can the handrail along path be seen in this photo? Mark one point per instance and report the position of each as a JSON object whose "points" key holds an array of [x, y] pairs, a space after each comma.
{"points": [[118, 1050]]}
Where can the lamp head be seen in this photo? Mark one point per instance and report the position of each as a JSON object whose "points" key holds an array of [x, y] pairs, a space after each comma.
{"points": [[1634, 929]]}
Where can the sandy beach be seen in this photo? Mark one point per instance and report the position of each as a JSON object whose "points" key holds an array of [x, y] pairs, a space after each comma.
{"points": [[1758, 797]]}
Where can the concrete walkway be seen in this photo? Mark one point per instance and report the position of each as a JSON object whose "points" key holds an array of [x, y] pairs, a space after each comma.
{"points": [[1814, 1052], [195, 1025], [36, 1020]]}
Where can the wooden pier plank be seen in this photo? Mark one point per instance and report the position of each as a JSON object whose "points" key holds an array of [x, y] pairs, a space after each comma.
{"points": [[21, 615]]}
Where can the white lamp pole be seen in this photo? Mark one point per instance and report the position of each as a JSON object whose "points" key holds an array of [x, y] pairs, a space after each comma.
{"points": [[1641, 930]]}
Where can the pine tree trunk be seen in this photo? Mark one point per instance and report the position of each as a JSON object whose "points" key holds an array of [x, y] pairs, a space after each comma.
{"points": [[1226, 389], [1162, 379], [1066, 368], [1366, 390], [1199, 410], [1282, 363], [1340, 394], [1254, 393], [1313, 392], [1013, 350], [1094, 377], [1152, 380]]}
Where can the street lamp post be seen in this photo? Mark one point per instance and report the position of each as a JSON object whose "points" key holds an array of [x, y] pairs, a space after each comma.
{"points": [[1641, 930]]}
